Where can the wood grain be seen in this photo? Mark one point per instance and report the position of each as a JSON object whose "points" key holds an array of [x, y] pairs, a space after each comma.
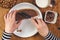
{"points": [[52, 27]]}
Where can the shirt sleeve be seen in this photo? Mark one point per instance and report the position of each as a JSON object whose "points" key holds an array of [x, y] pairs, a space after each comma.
{"points": [[50, 36], [6, 36]]}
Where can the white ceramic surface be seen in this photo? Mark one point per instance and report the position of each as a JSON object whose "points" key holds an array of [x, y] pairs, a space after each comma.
{"points": [[43, 3], [28, 29]]}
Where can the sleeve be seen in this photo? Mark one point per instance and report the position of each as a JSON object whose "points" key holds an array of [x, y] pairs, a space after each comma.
{"points": [[6, 36], [50, 36]]}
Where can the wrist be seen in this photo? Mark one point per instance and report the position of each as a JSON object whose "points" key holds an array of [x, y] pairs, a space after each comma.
{"points": [[46, 33], [8, 31]]}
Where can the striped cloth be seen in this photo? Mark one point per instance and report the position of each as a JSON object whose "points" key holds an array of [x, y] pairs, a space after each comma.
{"points": [[50, 36], [7, 36]]}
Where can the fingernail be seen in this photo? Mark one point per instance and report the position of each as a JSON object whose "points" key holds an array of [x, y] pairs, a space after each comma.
{"points": [[13, 10], [37, 18]]}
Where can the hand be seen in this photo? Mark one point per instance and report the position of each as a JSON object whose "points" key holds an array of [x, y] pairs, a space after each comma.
{"points": [[10, 22], [41, 26]]}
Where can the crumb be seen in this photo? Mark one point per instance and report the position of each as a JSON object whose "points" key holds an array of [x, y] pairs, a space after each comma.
{"points": [[19, 30]]}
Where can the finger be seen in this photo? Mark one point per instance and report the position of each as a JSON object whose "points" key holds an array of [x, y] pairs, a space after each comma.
{"points": [[34, 22], [42, 22], [8, 15], [14, 15], [15, 11], [39, 22], [5, 16], [11, 13], [19, 22]]}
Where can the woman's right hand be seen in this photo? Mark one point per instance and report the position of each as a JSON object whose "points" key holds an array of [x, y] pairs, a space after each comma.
{"points": [[10, 23], [41, 26]]}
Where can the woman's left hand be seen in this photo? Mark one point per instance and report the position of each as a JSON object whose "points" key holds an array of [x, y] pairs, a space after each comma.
{"points": [[41, 26]]}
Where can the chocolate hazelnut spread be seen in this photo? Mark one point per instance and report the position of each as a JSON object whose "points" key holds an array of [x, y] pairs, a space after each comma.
{"points": [[50, 16], [19, 30], [25, 14]]}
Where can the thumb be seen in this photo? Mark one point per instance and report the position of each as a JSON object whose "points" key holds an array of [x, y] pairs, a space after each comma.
{"points": [[18, 23]]}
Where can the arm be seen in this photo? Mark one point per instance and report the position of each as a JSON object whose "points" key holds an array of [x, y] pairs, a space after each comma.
{"points": [[43, 29], [50, 36], [10, 25]]}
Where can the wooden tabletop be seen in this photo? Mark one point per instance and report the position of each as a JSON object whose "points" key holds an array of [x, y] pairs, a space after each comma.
{"points": [[52, 27]]}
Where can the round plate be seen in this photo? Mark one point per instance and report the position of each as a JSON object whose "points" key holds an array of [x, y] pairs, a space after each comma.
{"points": [[43, 3], [28, 29]]}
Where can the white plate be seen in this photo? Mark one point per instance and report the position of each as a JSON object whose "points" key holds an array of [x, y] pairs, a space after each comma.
{"points": [[28, 29]]}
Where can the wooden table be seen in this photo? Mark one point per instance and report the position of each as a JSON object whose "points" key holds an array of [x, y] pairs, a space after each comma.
{"points": [[52, 27]]}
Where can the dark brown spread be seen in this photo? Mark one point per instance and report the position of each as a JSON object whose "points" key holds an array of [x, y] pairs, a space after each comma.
{"points": [[50, 16], [25, 14]]}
